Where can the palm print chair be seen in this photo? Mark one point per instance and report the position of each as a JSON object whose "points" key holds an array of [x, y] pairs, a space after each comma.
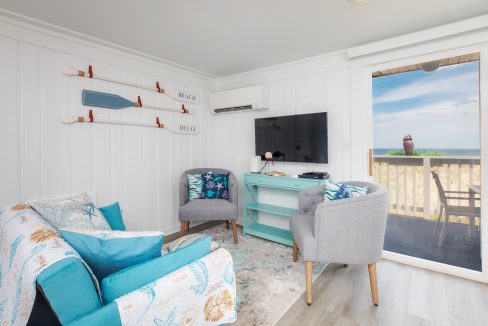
{"points": [[199, 210]]}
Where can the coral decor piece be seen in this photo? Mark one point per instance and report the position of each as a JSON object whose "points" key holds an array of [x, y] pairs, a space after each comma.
{"points": [[408, 145]]}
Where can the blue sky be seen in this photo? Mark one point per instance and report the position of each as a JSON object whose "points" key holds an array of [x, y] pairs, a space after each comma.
{"points": [[439, 109]]}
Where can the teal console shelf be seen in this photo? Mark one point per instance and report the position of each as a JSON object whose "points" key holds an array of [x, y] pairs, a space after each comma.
{"points": [[252, 207]]}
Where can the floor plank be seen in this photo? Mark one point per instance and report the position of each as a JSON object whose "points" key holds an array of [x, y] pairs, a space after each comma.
{"points": [[408, 296]]}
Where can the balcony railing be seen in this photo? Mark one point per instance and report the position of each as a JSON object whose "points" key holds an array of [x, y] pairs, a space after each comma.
{"points": [[412, 189]]}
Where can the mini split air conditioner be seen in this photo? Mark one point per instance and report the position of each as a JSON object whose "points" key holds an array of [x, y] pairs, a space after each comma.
{"points": [[252, 98]]}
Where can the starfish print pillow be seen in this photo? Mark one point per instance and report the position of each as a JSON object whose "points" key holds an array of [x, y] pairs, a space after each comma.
{"points": [[215, 186], [75, 212]]}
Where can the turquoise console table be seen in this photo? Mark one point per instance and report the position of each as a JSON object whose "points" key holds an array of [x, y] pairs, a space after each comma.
{"points": [[252, 206]]}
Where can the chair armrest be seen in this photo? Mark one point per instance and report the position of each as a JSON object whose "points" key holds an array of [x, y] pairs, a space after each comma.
{"points": [[204, 290], [455, 191], [351, 230], [464, 198]]}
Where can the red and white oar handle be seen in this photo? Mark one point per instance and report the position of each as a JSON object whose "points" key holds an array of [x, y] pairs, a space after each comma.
{"points": [[139, 104], [172, 127]]}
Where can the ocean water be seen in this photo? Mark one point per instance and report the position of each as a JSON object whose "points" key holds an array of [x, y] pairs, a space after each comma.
{"points": [[443, 151]]}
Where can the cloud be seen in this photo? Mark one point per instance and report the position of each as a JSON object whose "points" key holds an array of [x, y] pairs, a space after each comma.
{"points": [[428, 86], [445, 124]]}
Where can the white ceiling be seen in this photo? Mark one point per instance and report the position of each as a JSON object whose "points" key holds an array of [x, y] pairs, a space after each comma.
{"points": [[224, 37]]}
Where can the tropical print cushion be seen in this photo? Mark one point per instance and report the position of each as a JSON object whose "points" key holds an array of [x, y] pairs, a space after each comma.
{"points": [[342, 193], [215, 186], [194, 186], [187, 240], [331, 190], [76, 212]]}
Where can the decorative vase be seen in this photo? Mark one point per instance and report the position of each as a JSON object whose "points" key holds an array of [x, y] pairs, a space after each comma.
{"points": [[408, 145]]}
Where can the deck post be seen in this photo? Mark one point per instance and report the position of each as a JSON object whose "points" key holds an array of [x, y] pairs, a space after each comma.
{"points": [[426, 170]]}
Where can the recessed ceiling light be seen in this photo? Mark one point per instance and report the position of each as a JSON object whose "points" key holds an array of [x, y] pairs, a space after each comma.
{"points": [[359, 1]]}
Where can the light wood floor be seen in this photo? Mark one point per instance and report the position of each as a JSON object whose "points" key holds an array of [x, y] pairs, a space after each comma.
{"points": [[408, 296]]}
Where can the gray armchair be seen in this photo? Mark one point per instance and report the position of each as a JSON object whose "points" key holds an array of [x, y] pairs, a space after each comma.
{"points": [[198, 210], [347, 231]]}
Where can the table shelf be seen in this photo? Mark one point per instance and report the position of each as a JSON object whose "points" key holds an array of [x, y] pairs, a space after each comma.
{"points": [[270, 233], [252, 207], [273, 209]]}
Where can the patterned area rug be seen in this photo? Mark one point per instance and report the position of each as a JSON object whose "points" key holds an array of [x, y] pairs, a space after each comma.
{"points": [[268, 281]]}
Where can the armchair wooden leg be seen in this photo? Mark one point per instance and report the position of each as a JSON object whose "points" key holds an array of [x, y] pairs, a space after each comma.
{"points": [[188, 227], [373, 280], [227, 224], [295, 251], [308, 281], [182, 228], [234, 230]]}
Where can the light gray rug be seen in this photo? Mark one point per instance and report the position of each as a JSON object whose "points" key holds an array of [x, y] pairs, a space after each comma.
{"points": [[268, 281]]}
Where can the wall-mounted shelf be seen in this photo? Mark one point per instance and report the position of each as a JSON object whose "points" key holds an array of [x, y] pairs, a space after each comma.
{"points": [[252, 207]]}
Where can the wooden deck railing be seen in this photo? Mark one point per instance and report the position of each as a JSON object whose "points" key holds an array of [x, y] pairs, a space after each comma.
{"points": [[412, 189]]}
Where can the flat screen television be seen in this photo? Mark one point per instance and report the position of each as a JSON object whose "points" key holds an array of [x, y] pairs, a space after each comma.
{"points": [[293, 138]]}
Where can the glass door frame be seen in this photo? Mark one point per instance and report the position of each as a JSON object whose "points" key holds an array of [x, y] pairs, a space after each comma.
{"points": [[367, 70]]}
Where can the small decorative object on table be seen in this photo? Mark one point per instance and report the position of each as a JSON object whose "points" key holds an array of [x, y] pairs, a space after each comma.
{"points": [[408, 145], [269, 158], [276, 174]]}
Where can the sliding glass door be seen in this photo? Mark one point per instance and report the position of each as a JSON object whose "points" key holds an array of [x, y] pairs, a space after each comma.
{"points": [[426, 150]]}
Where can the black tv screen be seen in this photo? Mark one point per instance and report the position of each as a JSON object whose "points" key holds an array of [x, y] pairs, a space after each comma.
{"points": [[293, 138]]}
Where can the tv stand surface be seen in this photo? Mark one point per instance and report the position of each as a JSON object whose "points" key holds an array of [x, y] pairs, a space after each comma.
{"points": [[252, 207]]}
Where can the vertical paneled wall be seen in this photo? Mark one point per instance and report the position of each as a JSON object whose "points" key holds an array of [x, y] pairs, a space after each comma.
{"points": [[231, 143], [43, 158]]}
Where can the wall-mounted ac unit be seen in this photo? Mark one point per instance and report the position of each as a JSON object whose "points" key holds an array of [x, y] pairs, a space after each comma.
{"points": [[243, 99]]}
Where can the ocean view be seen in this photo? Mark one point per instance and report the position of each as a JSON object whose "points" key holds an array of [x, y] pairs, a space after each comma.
{"points": [[443, 151]]}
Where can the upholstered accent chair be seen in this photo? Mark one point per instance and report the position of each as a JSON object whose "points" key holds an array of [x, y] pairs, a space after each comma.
{"points": [[346, 231], [199, 210]]}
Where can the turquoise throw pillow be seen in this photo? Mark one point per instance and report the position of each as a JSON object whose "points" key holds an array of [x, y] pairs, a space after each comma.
{"points": [[107, 252], [215, 186], [134, 277], [113, 215], [331, 190], [69, 289], [342, 193], [194, 186]]}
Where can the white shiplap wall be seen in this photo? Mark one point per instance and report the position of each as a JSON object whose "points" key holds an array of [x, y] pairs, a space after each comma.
{"points": [[322, 88], [43, 158]]}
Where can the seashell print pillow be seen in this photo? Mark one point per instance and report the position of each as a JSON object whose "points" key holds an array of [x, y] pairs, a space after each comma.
{"points": [[75, 212]]}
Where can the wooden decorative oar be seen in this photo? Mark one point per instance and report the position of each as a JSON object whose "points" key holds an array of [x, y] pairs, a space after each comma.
{"points": [[178, 128], [178, 95], [112, 101]]}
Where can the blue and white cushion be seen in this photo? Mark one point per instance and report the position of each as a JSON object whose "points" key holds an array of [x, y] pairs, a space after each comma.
{"points": [[331, 189], [215, 186], [194, 186], [75, 212]]}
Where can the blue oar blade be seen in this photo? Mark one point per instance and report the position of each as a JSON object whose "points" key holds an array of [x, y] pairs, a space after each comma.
{"points": [[105, 100]]}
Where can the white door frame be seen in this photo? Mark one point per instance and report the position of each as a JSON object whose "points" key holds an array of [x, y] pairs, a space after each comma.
{"points": [[368, 69]]}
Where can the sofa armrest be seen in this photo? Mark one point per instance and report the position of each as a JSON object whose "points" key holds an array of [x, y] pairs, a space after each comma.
{"points": [[203, 291]]}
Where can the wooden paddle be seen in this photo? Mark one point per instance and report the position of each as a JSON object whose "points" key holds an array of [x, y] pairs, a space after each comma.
{"points": [[112, 101], [178, 95], [178, 128]]}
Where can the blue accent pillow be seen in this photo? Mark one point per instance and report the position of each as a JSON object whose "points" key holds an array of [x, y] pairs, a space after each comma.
{"points": [[342, 193], [113, 215], [108, 315], [215, 186], [107, 252], [194, 186], [332, 188], [69, 289], [134, 277]]}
